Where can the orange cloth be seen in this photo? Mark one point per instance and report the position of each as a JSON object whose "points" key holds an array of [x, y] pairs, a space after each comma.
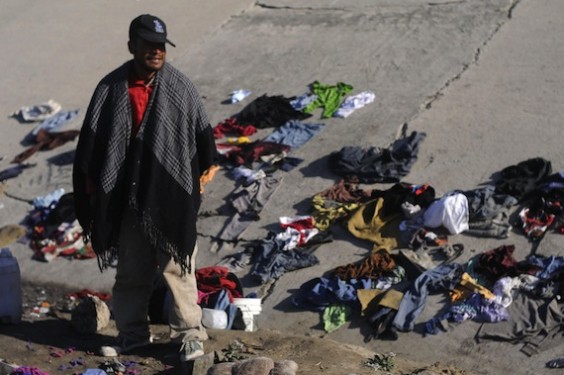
{"points": [[208, 176]]}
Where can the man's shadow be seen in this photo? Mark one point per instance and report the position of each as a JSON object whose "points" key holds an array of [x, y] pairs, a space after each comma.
{"points": [[59, 336]]}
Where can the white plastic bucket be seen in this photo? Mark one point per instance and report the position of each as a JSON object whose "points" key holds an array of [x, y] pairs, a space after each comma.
{"points": [[215, 319], [10, 288], [249, 307]]}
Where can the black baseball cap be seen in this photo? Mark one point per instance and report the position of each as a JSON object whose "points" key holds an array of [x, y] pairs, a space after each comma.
{"points": [[149, 28]]}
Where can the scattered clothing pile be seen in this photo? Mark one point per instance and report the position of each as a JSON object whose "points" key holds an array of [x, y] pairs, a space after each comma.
{"points": [[407, 224], [38, 112], [412, 258], [54, 229], [377, 164], [47, 135], [409, 228]]}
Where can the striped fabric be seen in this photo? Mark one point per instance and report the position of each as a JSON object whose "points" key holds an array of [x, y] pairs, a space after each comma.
{"points": [[162, 164]]}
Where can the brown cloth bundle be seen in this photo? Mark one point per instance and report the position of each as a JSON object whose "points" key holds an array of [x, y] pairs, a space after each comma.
{"points": [[372, 267], [46, 141]]}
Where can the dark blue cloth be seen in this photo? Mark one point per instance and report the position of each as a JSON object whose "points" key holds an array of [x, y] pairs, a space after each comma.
{"points": [[551, 266], [12, 172], [271, 260], [375, 164], [318, 293]]}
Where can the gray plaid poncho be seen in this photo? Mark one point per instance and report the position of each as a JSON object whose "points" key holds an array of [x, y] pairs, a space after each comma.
{"points": [[156, 172]]}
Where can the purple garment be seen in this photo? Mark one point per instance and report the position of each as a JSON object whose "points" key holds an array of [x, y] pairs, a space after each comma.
{"points": [[476, 308], [26, 370], [487, 311]]}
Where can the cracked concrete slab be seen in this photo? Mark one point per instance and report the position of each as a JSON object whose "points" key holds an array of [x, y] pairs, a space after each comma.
{"points": [[359, 4], [406, 55]]}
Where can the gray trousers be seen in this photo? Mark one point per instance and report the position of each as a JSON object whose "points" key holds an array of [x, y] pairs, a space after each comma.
{"points": [[137, 266]]}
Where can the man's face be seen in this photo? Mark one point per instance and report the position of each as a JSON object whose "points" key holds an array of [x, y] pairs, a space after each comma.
{"points": [[147, 55]]}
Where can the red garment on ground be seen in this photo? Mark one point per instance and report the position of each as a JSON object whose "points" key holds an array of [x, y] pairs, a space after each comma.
{"points": [[87, 292], [303, 226], [214, 279], [230, 126]]}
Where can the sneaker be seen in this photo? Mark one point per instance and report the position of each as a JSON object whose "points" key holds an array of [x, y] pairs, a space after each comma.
{"points": [[113, 367], [191, 350], [123, 345], [556, 363]]}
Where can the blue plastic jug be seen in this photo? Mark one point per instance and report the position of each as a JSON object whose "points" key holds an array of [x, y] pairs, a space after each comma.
{"points": [[10, 288]]}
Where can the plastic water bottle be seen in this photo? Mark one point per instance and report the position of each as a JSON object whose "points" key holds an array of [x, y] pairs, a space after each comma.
{"points": [[10, 288]]}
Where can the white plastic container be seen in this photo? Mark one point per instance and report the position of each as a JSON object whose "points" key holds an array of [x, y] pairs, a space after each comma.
{"points": [[249, 307], [215, 319], [10, 288]]}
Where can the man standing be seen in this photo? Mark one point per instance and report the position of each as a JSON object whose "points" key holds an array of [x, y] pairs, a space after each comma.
{"points": [[145, 141]]}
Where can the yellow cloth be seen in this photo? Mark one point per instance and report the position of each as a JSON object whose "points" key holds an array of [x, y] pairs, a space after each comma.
{"points": [[391, 299], [238, 140], [371, 298], [11, 233], [466, 287], [365, 297], [367, 223], [326, 212]]}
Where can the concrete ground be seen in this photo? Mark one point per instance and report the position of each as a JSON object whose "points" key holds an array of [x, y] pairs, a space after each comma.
{"points": [[482, 78]]}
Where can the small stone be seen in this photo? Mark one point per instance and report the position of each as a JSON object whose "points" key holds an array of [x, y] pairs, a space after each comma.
{"points": [[285, 367], [90, 316], [202, 364], [253, 366], [224, 368]]}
